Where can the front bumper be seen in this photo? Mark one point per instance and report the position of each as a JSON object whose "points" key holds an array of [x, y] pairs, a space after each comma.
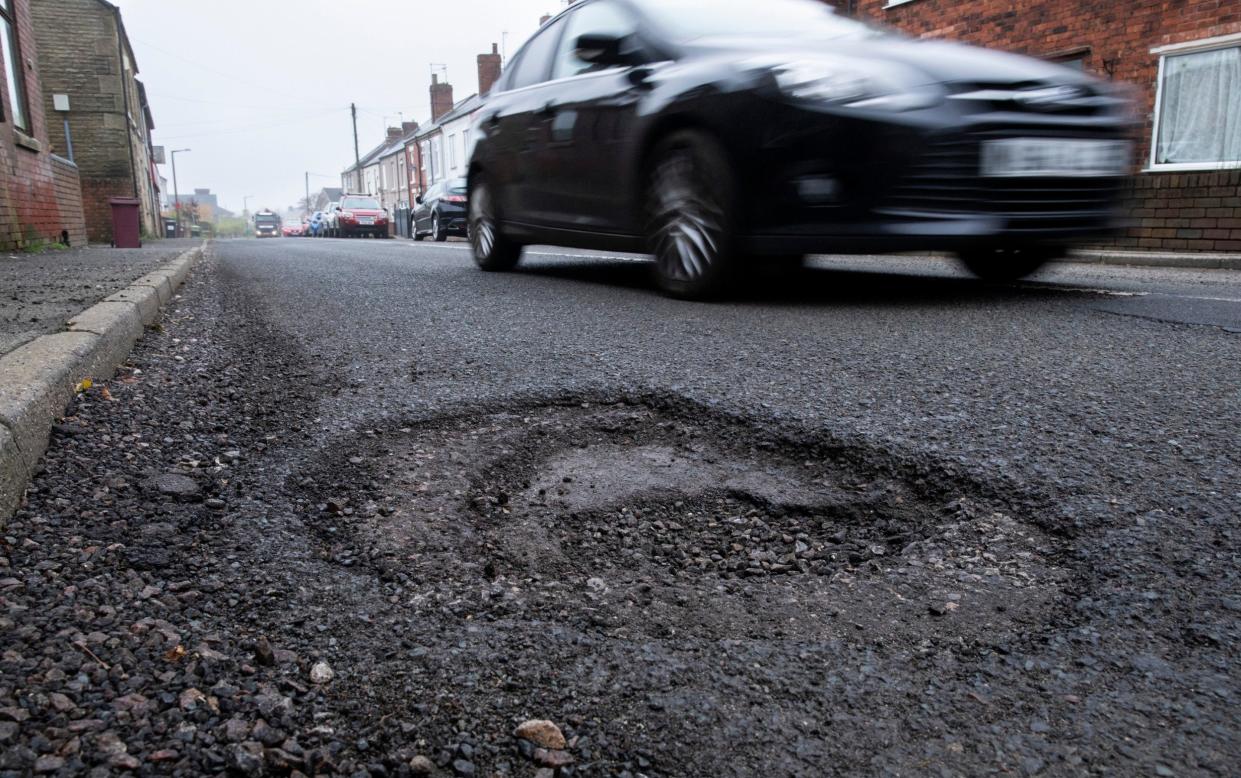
{"points": [[913, 181]]}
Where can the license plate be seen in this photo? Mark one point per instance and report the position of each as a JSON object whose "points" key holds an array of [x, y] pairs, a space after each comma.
{"points": [[1053, 157], [366, 220]]}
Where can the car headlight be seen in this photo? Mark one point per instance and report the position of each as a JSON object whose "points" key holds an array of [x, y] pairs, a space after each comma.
{"points": [[840, 83]]}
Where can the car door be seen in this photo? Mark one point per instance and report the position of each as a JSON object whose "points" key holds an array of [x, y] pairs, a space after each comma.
{"points": [[422, 218], [518, 124], [593, 112]]}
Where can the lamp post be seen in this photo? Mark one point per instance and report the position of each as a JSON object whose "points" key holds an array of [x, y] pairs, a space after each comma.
{"points": [[176, 192]]}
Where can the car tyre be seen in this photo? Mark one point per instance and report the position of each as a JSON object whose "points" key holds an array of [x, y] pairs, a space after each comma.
{"points": [[691, 216], [492, 250], [1006, 264], [439, 234]]}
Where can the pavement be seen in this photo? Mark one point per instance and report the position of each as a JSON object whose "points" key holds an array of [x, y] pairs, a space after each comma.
{"points": [[360, 508], [40, 292]]}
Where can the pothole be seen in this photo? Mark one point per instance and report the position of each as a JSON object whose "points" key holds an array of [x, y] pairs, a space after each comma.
{"points": [[643, 522]]}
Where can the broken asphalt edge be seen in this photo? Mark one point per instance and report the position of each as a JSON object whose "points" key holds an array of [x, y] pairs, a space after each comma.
{"points": [[39, 378]]}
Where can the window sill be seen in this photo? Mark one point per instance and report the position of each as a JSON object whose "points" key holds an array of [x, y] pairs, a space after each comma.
{"points": [[895, 3], [1192, 167], [27, 142]]}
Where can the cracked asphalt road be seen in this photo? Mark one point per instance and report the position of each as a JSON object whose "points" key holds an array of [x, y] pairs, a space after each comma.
{"points": [[878, 518]]}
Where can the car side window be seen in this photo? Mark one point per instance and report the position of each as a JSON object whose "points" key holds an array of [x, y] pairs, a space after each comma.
{"points": [[598, 18], [535, 64]]}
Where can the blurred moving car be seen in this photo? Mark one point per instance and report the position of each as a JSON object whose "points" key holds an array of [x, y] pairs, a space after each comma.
{"points": [[715, 134], [441, 211], [267, 224], [359, 215]]}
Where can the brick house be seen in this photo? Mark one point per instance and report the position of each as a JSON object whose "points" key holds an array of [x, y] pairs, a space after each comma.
{"points": [[1182, 56], [40, 194], [84, 52]]}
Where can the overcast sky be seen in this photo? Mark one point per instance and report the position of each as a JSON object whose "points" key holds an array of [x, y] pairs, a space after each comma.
{"points": [[260, 89]]}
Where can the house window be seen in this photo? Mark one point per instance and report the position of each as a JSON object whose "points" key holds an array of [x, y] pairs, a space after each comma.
{"points": [[452, 152], [13, 70], [1198, 106]]}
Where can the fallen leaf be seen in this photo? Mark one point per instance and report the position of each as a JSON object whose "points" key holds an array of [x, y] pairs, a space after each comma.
{"points": [[83, 385], [175, 654]]}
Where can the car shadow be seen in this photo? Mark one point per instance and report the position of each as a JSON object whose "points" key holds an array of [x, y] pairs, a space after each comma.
{"points": [[809, 285]]}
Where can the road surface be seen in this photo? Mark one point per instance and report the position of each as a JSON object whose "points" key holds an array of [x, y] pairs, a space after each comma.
{"points": [[875, 518]]}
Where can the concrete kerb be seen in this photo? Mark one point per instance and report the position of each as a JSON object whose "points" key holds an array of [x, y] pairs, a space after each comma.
{"points": [[38, 380]]}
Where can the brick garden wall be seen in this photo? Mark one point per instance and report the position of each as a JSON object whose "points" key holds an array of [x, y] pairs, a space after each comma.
{"points": [[1184, 212], [36, 200], [68, 188], [1113, 39]]}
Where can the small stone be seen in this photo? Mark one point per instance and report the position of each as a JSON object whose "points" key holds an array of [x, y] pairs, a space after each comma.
{"points": [[542, 733], [48, 763], [263, 653], [61, 702], [190, 699], [248, 758], [164, 755], [215, 504], [8, 730], [124, 762], [321, 672], [463, 767], [554, 759], [172, 485], [421, 765]]}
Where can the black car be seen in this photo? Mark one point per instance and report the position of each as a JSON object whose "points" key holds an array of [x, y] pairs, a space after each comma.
{"points": [[715, 134], [441, 211]]}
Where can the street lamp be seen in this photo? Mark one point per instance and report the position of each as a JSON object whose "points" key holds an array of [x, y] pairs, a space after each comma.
{"points": [[245, 205], [176, 193]]}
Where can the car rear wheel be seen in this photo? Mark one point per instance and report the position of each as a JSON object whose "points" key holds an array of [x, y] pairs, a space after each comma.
{"points": [[436, 231], [492, 250], [1007, 264], [690, 206]]}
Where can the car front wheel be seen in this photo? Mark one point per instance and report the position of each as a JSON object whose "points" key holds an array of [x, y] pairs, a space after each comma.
{"points": [[1007, 264], [690, 207], [492, 250]]}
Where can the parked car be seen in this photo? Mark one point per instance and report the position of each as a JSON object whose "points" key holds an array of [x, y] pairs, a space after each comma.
{"points": [[329, 219], [441, 211], [292, 230], [359, 215], [716, 134]]}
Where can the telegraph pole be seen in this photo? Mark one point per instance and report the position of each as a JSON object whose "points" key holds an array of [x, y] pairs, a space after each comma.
{"points": [[308, 193], [357, 156]]}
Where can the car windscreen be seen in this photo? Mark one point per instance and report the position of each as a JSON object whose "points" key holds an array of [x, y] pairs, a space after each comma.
{"points": [[363, 203], [689, 20], [266, 219]]}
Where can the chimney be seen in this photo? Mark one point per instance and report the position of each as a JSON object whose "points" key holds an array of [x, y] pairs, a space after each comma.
{"points": [[395, 133], [441, 98], [408, 128], [488, 70]]}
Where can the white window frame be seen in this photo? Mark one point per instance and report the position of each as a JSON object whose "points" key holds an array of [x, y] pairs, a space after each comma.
{"points": [[894, 3], [1172, 50]]}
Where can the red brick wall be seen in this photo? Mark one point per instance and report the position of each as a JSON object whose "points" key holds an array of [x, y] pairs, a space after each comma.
{"points": [[1113, 38], [36, 201]]}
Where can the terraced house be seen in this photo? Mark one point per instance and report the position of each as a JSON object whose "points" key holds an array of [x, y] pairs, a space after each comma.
{"points": [[1183, 58], [40, 196], [85, 54]]}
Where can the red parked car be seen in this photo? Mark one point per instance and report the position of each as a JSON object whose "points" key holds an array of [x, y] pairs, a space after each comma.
{"points": [[358, 215], [292, 230]]}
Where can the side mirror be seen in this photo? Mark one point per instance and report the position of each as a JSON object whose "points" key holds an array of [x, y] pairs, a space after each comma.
{"points": [[605, 50], [339, 208], [418, 199]]}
